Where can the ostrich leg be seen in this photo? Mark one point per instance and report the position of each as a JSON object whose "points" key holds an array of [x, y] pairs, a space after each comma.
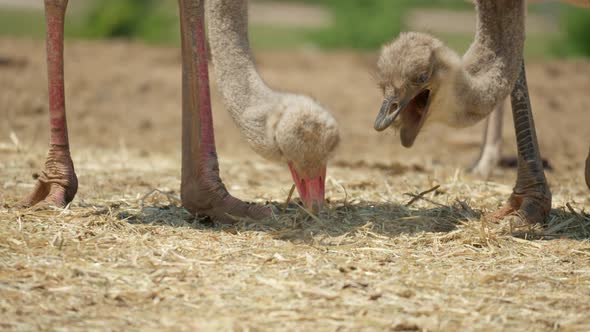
{"points": [[492, 145], [57, 183], [201, 188], [531, 197]]}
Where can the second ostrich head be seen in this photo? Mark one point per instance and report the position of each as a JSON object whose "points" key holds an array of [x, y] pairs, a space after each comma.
{"points": [[415, 74]]}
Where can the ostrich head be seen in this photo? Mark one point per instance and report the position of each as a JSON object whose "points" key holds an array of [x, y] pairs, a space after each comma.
{"points": [[415, 74], [305, 135]]}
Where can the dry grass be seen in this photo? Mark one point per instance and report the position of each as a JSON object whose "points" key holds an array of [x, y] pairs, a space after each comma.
{"points": [[115, 260], [368, 261]]}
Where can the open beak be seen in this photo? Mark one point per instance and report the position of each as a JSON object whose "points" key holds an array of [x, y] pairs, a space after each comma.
{"points": [[412, 112], [311, 189], [390, 109]]}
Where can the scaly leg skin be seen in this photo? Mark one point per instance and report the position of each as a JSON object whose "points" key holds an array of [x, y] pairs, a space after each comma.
{"points": [[202, 190], [57, 184], [531, 197], [491, 149]]}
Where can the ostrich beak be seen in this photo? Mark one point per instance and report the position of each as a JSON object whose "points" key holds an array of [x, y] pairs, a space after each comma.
{"points": [[311, 189], [390, 109], [412, 111]]}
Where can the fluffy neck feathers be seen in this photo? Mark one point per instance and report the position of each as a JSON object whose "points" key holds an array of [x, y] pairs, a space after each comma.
{"points": [[279, 126], [230, 49], [491, 65], [247, 98]]}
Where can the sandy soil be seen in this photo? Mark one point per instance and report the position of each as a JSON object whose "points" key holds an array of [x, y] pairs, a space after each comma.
{"points": [[279, 14], [22, 3], [115, 261], [463, 22]]}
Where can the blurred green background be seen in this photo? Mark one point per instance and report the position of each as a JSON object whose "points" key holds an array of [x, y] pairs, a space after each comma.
{"points": [[556, 30]]}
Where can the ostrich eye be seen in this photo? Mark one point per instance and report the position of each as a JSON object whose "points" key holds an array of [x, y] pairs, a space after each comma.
{"points": [[422, 78]]}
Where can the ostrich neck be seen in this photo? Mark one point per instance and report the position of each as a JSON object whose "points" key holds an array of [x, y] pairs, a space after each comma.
{"points": [[491, 65], [250, 102], [237, 78]]}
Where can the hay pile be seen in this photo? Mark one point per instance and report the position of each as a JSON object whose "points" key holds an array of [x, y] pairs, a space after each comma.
{"points": [[127, 257]]}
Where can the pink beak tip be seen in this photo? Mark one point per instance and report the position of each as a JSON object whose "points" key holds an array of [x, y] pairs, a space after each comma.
{"points": [[311, 189]]}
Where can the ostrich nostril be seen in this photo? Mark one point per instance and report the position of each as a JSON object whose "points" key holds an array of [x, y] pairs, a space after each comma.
{"points": [[392, 108]]}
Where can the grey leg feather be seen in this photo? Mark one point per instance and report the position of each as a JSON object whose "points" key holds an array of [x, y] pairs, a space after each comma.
{"points": [[491, 148]]}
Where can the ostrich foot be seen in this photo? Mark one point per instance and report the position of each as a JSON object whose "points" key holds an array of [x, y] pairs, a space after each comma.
{"points": [[481, 170], [212, 199], [527, 208], [484, 166], [57, 184]]}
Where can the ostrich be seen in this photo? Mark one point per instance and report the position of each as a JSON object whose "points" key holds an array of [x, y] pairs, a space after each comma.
{"points": [[280, 126], [423, 81], [283, 127]]}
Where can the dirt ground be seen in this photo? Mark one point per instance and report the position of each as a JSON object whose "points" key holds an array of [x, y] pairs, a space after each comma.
{"points": [[461, 22], [22, 3], [117, 260]]}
